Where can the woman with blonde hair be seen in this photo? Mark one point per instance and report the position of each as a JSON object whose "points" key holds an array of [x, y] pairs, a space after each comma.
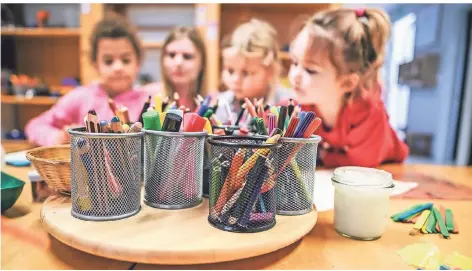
{"points": [[182, 67]]}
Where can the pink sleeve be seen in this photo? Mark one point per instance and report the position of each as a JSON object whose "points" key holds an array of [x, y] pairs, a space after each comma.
{"points": [[47, 128]]}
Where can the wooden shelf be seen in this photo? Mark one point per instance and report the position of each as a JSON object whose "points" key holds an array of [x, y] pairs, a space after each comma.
{"points": [[152, 45], [41, 32], [39, 100]]}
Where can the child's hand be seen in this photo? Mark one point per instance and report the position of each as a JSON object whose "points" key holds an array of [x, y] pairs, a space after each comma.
{"points": [[65, 137]]}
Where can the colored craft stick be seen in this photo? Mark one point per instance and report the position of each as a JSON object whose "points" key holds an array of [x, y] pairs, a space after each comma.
{"points": [[450, 221], [396, 217], [440, 221], [420, 222], [425, 225], [443, 214], [431, 224], [412, 218], [414, 210]]}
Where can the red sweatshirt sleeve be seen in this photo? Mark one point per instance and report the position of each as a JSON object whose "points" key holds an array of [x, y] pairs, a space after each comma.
{"points": [[370, 143], [47, 128]]}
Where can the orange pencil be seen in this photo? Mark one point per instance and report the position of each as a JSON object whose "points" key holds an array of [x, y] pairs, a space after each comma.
{"points": [[230, 186], [315, 123], [249, 164]]}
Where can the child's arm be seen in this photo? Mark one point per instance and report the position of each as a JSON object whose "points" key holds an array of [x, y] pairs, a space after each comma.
{"points": [[370, 144], [49, 128]]}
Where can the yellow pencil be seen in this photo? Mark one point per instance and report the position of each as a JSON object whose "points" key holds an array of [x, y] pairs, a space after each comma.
{"points": [[249, 164], [158, 103]]}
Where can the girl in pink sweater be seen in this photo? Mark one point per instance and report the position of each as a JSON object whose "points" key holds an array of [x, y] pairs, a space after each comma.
{"points": [[116, 55]]}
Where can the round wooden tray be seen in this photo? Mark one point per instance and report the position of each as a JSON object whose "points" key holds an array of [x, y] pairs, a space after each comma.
{"points": [[157, 236]]}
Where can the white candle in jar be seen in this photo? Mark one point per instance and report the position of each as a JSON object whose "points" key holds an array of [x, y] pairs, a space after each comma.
{"points": [[361, 201]]}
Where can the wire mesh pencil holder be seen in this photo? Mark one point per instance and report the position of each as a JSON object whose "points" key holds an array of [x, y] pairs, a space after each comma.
{"points": [[206, 168], [173, 169], [296, 175], [106, 172], [242, 197]]}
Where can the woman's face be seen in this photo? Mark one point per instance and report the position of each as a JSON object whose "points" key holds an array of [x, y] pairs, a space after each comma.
{"points": [[117, 64], [245, 76], [313, 79], [182, 62]]}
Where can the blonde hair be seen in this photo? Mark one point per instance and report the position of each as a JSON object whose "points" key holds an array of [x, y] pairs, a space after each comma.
{"points": [[193, 35], [355, 41], [256, 38]]}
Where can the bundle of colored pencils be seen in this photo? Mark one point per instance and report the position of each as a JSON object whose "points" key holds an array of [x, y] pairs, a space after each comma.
{"points": [[239, 194], [108, 164], [428, 218]]}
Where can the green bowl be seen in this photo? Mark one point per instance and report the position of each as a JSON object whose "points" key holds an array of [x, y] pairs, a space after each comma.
{"points": [[11, 190]]}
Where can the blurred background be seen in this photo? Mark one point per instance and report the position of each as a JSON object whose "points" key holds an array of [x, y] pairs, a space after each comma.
{"points": [[427, 75]]}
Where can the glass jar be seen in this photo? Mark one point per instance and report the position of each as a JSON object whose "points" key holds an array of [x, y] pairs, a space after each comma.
{"points": [[361, 201]]}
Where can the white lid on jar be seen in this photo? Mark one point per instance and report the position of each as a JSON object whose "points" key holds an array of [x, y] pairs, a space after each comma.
{"points": [[363, 177]]}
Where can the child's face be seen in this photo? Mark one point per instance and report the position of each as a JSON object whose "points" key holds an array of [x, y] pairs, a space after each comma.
{"points": [[117, 64], [245, 76], [182, 62], [314, 80]]}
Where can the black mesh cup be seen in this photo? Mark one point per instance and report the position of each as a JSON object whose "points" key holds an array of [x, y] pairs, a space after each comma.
{"points": [[173, 169], [106, 173], [242, 190], [296, 175]]}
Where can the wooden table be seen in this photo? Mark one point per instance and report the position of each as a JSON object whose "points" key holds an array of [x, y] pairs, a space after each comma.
{"points": [[322, 248]]}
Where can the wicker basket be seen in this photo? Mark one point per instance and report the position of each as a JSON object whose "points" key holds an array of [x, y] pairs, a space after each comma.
{"points": [[53, 164]]}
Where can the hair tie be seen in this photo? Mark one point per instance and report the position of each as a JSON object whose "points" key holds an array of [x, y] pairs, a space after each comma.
{"points": [[360, 12]]}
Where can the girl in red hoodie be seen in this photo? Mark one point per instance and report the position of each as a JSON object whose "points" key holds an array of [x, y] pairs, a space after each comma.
{"points": [[336, 59]]}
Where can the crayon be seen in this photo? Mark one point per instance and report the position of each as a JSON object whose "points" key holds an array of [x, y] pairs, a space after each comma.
{"points": [[116, 125], [125, 127], [104, 126]]}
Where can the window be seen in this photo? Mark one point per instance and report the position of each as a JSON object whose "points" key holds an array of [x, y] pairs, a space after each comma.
{"points": [[402, 47]]}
